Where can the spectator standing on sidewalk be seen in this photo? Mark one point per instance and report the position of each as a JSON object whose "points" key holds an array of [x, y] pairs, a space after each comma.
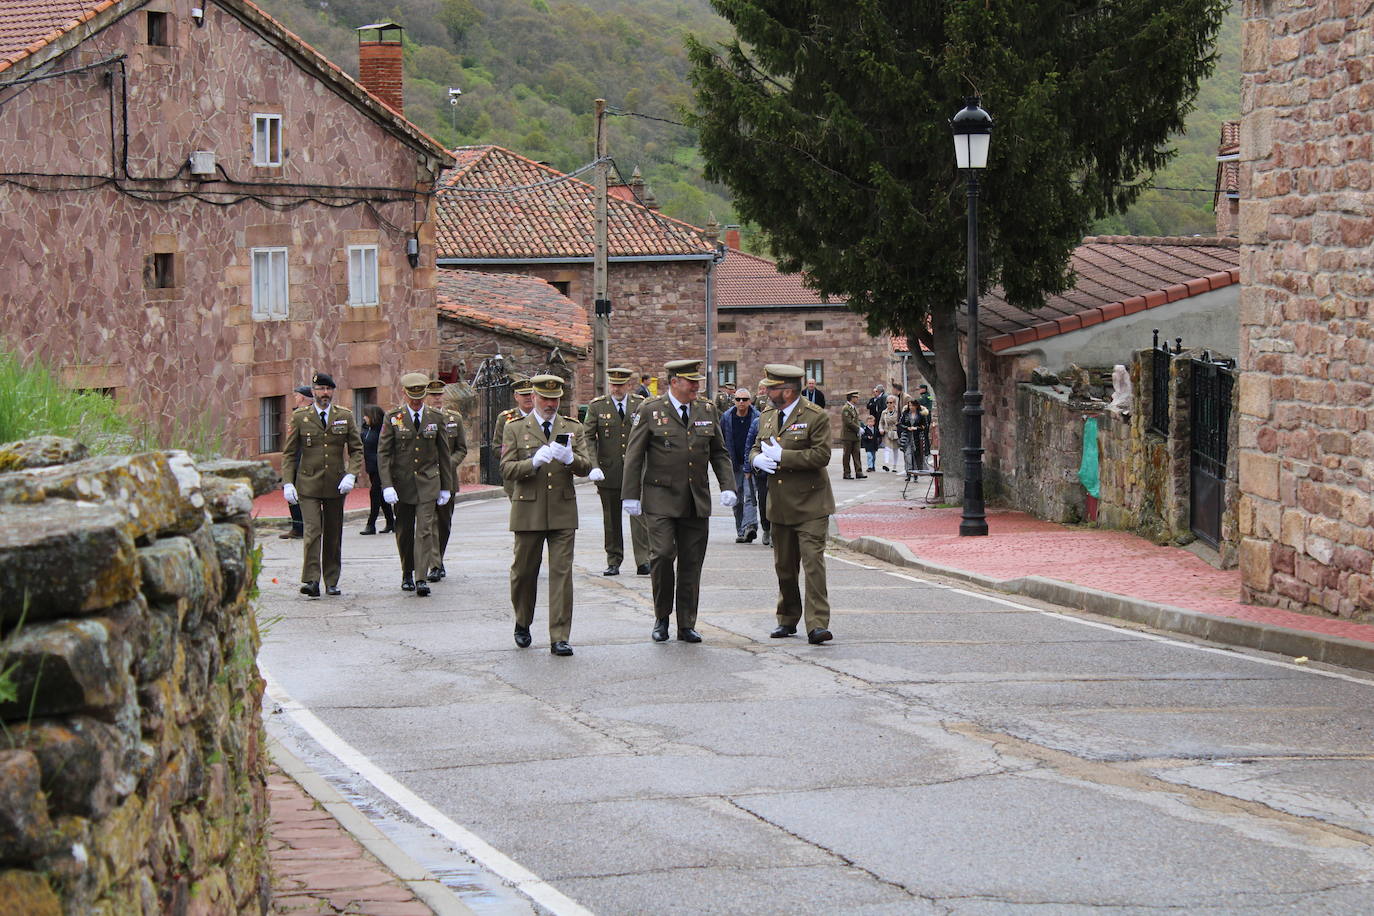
{"points": [[850, 428], [888, 425], [373, 417], [739, 427], [871, 439], [304, 398], [878, 403], [910, 426], [814, 394]]}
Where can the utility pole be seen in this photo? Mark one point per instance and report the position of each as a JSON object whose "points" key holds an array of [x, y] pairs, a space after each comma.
{"points": [[601, 323]]}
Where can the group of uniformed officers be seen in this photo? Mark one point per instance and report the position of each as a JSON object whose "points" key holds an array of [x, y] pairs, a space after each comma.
{"points": [[650, 458]]}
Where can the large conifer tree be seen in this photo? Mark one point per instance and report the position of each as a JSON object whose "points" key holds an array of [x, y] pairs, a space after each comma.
{"points": [[829, 122]]}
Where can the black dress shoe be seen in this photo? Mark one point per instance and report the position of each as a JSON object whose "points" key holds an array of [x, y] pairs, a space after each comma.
{"points": [[660, 629], [422, 589], [443, 573], [688, 635], [407, 583], [310, 588], [818, 636], [434, 575], [860, 476], [849, 477], [750, 535], [290, 534], [386, 531], [561, 648], [522, 636], [642, 569], [368, 531], [612, 570], [333, 590], [781, 632]]}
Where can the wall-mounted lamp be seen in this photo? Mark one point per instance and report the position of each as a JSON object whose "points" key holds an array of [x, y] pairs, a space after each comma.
{"points": [[413, 251], [198, 14]]}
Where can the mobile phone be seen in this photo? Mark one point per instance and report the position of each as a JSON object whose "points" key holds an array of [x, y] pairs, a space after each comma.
{"points": [[562, 438]]}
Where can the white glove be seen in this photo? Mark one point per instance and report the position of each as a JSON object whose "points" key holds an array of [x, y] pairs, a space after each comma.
{"points": [[772, 449], [346, 485], [390, 497], [563, 453], [764, 463], [728, 498], [597, 475], [444, 497], [289, 491], [543, 456], [631, 506]]}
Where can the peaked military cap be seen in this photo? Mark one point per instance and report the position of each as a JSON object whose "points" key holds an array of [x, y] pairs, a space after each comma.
{"points": [[689, 369], [305, 392], [619, 376], [415, 383], [521, 385], [435, 386], [548, 386], [781, 374], [324, 380], [852, 393]]}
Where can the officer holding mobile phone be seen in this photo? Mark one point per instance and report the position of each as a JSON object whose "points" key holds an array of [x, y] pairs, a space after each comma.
{"points": [[541, 453]]}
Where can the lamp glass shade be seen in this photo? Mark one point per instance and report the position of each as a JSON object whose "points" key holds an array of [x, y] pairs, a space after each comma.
{"points": [[971, 150]]}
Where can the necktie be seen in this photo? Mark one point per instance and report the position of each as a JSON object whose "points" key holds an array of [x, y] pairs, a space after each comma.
{"points": [[323, 421], [620, 406], [548, 428], [417, 419], [685, 421]]}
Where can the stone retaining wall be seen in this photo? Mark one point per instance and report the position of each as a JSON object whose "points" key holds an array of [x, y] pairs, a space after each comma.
{"points": [[132, 774]]}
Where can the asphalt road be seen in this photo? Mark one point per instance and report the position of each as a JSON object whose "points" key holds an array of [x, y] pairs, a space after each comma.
{"points": [[949, 752]]}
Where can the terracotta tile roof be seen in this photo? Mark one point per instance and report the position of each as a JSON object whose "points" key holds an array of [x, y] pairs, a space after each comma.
{"points": [[1117, 275], [1228, 161], [525, 307], [749, 281], [552, 221], [27, 26]]}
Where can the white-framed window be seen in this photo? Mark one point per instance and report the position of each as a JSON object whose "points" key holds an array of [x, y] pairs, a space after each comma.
{"points": [[270, 287], [362, 275], [815, 371], [267, 139], [726, 373]]}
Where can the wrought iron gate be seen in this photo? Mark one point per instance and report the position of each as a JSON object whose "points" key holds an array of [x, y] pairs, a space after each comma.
{"points": [[493, 387], [1210, 419]]}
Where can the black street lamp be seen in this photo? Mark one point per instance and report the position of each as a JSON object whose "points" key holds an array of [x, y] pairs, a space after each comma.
{"points": [[972, 130]]}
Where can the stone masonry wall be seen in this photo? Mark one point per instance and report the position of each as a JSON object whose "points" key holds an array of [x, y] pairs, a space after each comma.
{"points": [[132, 772], [1307, 333]]}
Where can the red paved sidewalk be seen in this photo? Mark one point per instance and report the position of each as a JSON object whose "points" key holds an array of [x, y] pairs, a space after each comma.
{"points": [[1117, 562]]}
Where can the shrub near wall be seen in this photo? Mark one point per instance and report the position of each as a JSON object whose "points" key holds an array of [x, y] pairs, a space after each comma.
{"points": [[131, 762]]}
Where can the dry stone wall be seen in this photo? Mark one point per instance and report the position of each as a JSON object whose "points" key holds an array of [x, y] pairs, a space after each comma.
{"points": [[132, 772]]}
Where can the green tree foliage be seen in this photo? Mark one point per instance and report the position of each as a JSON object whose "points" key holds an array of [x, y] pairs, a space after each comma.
{"points": [[828, 120]]}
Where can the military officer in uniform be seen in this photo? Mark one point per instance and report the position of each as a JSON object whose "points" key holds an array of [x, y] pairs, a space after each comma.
{"points": [[673, 440], [540, 455], [793, 447], [417, 478], [608, 431], [457, 440], [320, 463], [524, 403], [849, 436]]}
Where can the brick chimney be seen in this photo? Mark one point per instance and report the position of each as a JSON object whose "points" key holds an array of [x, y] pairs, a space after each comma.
{"points": [[379, 62], [732, 237]]}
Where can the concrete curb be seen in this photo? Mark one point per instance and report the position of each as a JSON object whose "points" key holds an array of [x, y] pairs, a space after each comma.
{"points": [[432, 892], [353, 515], [1249, 634]]}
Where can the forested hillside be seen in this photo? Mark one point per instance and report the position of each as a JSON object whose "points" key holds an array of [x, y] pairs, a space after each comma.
{"points": [[530, 70]]}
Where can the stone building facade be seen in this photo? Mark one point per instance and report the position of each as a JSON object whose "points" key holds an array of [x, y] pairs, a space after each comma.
{"points": [[199, 291], [1307, 332]]}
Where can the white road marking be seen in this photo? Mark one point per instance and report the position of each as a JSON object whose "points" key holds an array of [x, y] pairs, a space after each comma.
{"points": [[1229, 653], [524, 880]]}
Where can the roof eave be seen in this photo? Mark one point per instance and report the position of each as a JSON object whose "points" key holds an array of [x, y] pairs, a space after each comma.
{"points": [[510, 331]]}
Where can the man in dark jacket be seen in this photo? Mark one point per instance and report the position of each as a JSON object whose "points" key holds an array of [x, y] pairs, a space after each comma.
{"points": [[813, 394], [739, 427]]}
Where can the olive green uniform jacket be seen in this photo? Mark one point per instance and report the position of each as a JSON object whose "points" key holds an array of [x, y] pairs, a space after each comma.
{"points": [[800, 488], [849, 417], [666, 462], [457, 437], [608, 436], [415, 461], [314, 459], [542, 498]]}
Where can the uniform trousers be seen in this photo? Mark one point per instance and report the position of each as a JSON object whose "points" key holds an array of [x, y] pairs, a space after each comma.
{"points": [[443, 525], [760, 480], [322, 521], [613, 521], [679, 542], [747, 507], [524, 578], [853, 464], [415, 536], [802, 545]]}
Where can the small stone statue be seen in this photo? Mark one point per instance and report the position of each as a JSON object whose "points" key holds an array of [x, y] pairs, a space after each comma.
{"points": [[1121, 391], [1080, 390]]}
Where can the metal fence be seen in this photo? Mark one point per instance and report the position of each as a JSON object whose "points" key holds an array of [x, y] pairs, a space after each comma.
{"points": [[1162, 360], [493, 387]]}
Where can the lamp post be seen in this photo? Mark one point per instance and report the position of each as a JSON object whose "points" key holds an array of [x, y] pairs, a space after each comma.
{"points": [[972, 129]]}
